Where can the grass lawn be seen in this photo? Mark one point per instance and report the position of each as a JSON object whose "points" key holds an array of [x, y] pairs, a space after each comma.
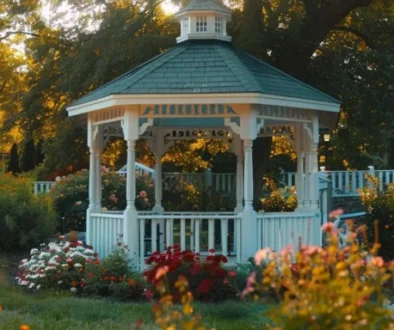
{"points": [[48, 310]]}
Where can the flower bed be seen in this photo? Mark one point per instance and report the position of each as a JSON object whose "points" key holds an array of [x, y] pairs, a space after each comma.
{"points": [[208, 280]]}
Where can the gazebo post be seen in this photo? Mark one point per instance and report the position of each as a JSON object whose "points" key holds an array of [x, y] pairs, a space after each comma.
{"points": [[248, 129], [300, 176], [130, 220], [98, 173], [239, 177], [158, 151], [92, 144]]}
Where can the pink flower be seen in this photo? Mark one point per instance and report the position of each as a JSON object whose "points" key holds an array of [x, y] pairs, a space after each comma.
{"points": [[61, 238], [162, 271], [261, 255], [211, 251], [286, 251], [328, 227], [249, 284], [336, 213], [148, 294], [104, 169], [143, 194], [377, 261], [232, 273]]}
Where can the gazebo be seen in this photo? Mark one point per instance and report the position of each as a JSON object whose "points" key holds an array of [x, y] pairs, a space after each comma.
{"points": [[205, 88]]}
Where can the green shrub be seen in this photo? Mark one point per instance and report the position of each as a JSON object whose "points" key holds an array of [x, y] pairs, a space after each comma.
{"points": [[71, 196], [25, 220], [379, 220]]}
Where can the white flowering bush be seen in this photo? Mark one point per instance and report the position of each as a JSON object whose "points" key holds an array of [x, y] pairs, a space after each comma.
{"points": [[60, 265]]}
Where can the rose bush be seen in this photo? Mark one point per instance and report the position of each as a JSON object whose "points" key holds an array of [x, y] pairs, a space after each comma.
{"points": [[59, 265], [71, 196], [208, 279], [71, 266]]}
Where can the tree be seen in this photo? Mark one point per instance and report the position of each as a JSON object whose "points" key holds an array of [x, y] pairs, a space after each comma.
{"points": [[28, 159], [13, 165]]}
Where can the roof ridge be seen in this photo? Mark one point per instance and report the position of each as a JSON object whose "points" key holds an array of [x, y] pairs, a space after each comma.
{"points": [[288, 76], [130, 72], [251, 83]]}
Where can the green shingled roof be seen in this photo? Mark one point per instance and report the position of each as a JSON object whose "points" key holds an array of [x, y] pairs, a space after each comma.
{"points": [[196, 67], [215, 5]]}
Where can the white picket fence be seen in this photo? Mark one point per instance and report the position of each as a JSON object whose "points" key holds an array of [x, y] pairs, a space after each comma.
{"points": [[278, 230], [347, 183], [105, 230], [344, 183]]}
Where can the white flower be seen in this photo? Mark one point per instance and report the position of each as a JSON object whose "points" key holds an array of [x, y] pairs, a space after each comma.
{"points": [[60, 282], [49, 268], [43, 255], [77, 265], [33, 251], [24, 261], [89, 251], [73, 289], [64, 265], [38, 286], [31, 285]]}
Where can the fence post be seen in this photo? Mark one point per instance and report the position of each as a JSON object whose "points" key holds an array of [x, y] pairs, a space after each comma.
{"points": [[207, 178], [371, 170]]}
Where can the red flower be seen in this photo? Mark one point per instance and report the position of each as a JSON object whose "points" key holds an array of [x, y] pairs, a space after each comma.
{"points": [[112, 278], [148, 294], [90, 275], [205, 285], [106, 278], [97, 262], [232, 273], [212, 251], [139, 323], [120, 278]]}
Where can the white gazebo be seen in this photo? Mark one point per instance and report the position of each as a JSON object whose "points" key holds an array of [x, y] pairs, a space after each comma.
{"points": [[205, 88]]}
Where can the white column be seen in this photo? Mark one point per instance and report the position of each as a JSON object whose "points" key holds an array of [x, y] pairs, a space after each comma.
{"points": [[92, 196], [131, 227], [248, 175], [314, 171], [239, 184], [130, 221], [158, 185], [249, 216], [300, 176], [98, 183], [248, 132]]}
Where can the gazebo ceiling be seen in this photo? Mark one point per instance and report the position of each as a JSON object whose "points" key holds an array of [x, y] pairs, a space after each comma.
{"points": [[206, 67]]}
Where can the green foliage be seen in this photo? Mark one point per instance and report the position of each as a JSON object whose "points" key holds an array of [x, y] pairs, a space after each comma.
{"points": [[28, 159], [379, 221], [71, 196], [13, 165], [112, 277], [195, 198], [26, 220]]}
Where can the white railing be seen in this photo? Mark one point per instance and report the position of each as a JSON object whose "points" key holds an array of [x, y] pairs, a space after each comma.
{"points": [[347, 183], [194, 231], [170, 179], [278, 230], [105, 230], [141, 170], [43, 187]]}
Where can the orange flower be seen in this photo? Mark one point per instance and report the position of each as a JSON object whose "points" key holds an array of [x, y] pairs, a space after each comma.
{"points": [[74, 283], [81, 270], [1, 308], [131, 281], [24, 327], [112, 278], [105, 270]]}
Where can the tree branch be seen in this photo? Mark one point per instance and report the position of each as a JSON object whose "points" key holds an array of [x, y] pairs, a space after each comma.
{"points": [[358, 34], [10, 33]]}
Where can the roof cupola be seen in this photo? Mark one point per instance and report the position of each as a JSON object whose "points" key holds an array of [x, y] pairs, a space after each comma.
{"points": [[204, 20]]}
